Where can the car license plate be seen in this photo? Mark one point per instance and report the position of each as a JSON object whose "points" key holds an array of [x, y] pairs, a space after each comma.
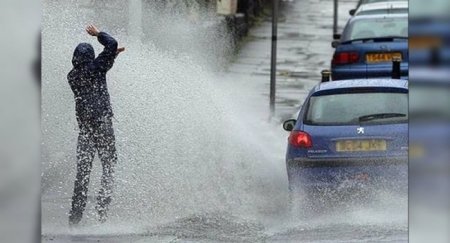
{"points": [[424, 42], [383, 57], [416, 151], [361, 145]]}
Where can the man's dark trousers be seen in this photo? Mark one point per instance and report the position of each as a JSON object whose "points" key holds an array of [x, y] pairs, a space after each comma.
{"points": [[95, 136]]}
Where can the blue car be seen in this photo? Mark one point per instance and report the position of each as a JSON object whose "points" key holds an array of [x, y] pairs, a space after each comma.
{"points": [[368, 46], [429, 134], [350, 134], [429, 41]]}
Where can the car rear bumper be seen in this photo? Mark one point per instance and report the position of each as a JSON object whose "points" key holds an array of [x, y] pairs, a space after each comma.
{"points": [[389, 173], [347, 162]]}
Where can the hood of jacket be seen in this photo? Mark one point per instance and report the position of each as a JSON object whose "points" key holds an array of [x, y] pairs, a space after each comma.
{"points": [[84, 53]]}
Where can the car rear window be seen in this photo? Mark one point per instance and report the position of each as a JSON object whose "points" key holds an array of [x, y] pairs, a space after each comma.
{"points": [[348, 108], [420, 107], [376, 27]]}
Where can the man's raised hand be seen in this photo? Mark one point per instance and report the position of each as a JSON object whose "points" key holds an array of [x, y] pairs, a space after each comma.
{"points": [[92, 30]]}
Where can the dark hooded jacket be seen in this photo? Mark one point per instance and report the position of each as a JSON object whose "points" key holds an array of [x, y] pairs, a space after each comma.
{"points": [[87, 79]]}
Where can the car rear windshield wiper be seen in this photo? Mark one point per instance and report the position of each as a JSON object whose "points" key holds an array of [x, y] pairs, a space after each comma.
{"points": [[379, 116], [384, 38]]}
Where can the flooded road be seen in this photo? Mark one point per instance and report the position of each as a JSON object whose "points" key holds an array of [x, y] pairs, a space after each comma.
{"points": [[199, 160]]}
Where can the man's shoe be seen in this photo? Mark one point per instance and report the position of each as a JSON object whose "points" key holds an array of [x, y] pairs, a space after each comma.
{"points": [[74, 219]]}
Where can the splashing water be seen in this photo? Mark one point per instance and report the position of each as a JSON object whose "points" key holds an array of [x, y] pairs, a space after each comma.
{"points": [[183, 145]]}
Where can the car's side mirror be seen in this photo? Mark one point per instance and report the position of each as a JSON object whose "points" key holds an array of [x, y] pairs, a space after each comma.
{"points": [[336, 36], [289, 125], [335, 43], [352, 12]]}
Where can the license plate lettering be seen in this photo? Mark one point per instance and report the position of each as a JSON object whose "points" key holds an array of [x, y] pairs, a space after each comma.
{"points": [[382, 57], [361, 145]]}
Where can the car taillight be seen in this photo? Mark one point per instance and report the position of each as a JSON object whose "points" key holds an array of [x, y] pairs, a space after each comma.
{"points": [[300, 139], [345, 58]]}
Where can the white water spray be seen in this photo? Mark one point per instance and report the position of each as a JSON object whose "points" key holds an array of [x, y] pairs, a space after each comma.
{"points": [[184, 147], [135, 18]]}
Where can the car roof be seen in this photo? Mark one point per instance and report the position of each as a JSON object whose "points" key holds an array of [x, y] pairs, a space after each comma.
{"points": [[362, 83], [383, 5], [378, 1], [378, 16]]}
